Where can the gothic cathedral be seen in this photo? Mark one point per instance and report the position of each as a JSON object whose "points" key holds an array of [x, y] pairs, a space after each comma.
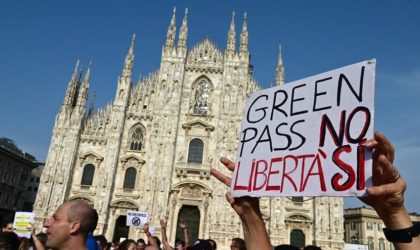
{"points": [[152, 147]]}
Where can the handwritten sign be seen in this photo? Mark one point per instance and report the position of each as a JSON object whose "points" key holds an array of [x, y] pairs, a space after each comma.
{"points": [[22, 222], [136, 218], [306, 138]]}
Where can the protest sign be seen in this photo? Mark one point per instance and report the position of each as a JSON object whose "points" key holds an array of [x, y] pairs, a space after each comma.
{"points": [[306, 138], [22, 222], [136, 218]]}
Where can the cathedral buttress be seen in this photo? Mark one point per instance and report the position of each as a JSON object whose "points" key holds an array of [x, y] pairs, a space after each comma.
{"points": [[124, 81], [59, 167]]}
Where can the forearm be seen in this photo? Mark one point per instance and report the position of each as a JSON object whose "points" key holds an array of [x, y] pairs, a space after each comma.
{"points": [[38, 244], [255, 233], [152, 241], [186, 237], [399, 220], [166, 245], [164, 236]]}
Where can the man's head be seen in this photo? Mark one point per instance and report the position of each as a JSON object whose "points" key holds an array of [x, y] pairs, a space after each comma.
{"points": [[7, 226], [179, 244], [9, 240], [141, 244], [70, 224], [237, 244]]}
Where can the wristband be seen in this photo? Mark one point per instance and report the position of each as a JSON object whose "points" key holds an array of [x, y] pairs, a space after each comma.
{"points": [[404, 235]]}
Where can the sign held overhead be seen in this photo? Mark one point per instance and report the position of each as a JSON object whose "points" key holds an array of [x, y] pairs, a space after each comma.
{"points": [[306, 138]]}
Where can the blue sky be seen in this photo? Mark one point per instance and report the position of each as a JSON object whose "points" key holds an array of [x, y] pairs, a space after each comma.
{"points": [[41, 41]]}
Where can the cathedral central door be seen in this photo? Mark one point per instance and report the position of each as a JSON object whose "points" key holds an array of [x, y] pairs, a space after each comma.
{"points": [[191, 215], [120, 229], [297, 238]]}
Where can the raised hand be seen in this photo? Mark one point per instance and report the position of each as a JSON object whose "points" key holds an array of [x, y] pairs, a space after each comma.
{"points": [[242, 205], [248, 209], [386, 195]]}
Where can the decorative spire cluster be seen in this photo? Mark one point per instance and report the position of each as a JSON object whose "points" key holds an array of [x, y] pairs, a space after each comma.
{"points": [[230, 48], [170, 37], [280, 69], [183, 33], [129, 59], [72, 87], [243, 48], [84, 88]]}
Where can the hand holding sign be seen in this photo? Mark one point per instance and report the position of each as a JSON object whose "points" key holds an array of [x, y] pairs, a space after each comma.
{"points": [[386, 195], [306, 138]]}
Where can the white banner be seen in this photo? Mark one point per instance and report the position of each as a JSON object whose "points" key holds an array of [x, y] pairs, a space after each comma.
{"points": [[136, 218], [305, 138]]}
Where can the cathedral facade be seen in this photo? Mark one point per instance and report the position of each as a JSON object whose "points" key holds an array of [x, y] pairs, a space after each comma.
{"points": [[151, 149]]}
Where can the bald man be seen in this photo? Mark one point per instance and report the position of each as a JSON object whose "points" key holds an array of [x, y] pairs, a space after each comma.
{"points": [[70, 224]]}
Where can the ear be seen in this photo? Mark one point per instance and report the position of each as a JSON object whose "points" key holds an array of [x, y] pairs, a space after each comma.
{"points": [[74, 226]]}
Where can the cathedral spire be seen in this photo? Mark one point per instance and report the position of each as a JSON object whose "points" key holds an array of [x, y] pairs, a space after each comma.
{"points": [[170, 37], [243, 48], [84, 88], [280, 69], [72, 87], [129, 59], [183, 33], [231, 37]]}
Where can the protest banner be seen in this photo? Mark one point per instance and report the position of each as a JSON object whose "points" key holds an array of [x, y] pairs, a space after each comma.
{"points": [[136, 218], [306, 138], [22, 222]]}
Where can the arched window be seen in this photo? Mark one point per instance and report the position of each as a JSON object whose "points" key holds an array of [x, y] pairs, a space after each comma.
{"points": [[297, 238], [371, 245], [195, 151], [136, 138], [88, 173], [201, 97], [130, 178], [381, 244]]}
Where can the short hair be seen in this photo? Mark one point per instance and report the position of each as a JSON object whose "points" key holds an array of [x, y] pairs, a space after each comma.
{"points": [[124, 245], [6, 222], [179, 241], [286, 247], [102, 240], [82, 211], [312, 247], [9, 240], [241, 242], [214, 243], [141, 241]]}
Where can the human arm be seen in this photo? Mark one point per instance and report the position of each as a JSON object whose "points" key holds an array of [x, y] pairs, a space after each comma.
{"points": [[248, 209], [164, 236], [150, 238], [183, 226], [386, 195], [37, 243]]}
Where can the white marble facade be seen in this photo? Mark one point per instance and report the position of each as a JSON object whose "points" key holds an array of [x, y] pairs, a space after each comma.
{"points": [[152, 147]]}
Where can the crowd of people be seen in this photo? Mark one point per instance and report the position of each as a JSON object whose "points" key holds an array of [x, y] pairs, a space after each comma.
{"points": [[73, 223]]}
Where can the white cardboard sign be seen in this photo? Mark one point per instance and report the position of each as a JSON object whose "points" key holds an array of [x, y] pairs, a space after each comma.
{"points": [[305, 138], [22, 222], [136, 218]]}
